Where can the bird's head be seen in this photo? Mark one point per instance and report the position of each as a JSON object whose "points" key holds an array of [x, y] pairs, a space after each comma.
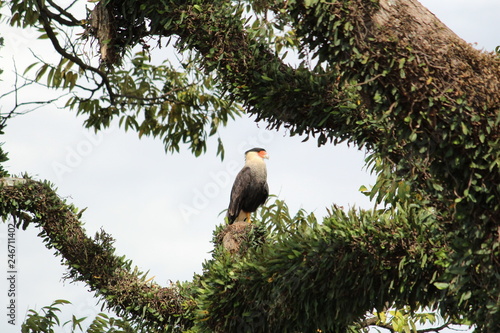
{"points": [[256, 152]]}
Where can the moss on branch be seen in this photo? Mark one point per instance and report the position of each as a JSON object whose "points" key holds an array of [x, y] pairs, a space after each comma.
{"points": [[124, 289]]}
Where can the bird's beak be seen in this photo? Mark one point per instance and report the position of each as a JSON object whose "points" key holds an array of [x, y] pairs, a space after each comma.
{"points": [[264, 155]]}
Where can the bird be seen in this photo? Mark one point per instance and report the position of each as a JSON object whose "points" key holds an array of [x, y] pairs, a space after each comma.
{"points": [[250, 188]]}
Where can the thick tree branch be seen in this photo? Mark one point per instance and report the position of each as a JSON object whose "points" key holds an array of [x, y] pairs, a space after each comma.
{"points": [[324, 101], [306, 281], [123, 288]]}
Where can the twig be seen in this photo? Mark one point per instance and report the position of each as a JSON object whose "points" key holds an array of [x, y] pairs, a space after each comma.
{"points": [[17, 104], [44, 19]]}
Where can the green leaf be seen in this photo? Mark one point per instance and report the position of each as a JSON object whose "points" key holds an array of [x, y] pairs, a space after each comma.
{"points": [[441, 285], [309, 3], [30, 67]]}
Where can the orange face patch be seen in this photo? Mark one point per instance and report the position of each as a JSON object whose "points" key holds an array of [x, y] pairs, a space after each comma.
{"points": [[263, 154]]}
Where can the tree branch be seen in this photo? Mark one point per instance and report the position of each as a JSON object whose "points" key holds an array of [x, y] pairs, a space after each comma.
{"points": [[71, 21], [17, 104], [124, 289], [375, 321], [44, 19]]}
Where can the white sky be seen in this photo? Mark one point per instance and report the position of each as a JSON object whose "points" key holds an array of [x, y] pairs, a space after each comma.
{"points": [[162, 209]]}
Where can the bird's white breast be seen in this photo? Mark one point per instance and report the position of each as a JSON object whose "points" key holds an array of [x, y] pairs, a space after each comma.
{"points": [[258, 167]]}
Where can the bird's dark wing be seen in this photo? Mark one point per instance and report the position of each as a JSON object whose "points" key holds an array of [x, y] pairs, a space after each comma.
{"points": [[238, 193], [266, 193]]}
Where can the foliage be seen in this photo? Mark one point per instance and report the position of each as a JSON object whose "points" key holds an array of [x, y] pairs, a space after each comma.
{"points": [[48, 321], [423, 102], [151, 100], [179, 106], [287, 284]]}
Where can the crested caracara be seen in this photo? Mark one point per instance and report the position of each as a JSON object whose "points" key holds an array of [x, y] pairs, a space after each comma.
{"points": [[250, 189]]}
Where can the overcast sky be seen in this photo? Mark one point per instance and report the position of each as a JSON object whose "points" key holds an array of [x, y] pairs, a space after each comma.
{"points": [[162, 209]]}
